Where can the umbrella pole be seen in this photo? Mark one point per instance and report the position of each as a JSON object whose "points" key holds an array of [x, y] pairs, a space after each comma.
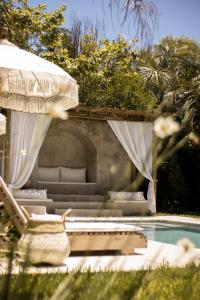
{"points": [[7, 146]]}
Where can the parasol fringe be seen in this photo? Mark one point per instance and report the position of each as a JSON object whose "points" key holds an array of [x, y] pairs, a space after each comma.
{"points": [[37, 104], [32, 84], [40, 86], [23, 91]]}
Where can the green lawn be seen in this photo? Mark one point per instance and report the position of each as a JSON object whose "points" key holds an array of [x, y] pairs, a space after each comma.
{"points": [[161, 284]]}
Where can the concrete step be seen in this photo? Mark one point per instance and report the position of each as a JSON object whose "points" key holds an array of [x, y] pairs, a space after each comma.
{"points": [[127, 207], [34, 202], [68, 188], [77, 198], [92, 212], [82, 205]]}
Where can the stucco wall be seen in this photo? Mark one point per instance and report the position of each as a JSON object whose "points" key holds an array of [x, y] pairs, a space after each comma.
{"points": [[91, 144]]}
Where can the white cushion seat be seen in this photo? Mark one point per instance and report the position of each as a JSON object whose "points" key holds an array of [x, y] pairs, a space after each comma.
{"points": [[29, 194], [126, 196]]}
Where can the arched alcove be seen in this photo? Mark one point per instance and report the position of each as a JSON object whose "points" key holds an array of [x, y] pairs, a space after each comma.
{"points": [[69, 148]]}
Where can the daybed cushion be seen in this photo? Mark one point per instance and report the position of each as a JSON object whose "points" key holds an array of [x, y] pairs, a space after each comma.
{"points": [[73, 175], [29, 194], [45, 217], [127, 196], [49, 174]]}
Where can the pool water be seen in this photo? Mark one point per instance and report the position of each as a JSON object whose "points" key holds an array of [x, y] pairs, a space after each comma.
{"points": [[171, 233]]}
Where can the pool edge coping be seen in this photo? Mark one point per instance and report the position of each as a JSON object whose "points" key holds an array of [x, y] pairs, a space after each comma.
{"points": [[167, 219]]}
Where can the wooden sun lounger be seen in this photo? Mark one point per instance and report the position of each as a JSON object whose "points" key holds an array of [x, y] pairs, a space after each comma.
{"points": [[105, 236], [83, 236]]}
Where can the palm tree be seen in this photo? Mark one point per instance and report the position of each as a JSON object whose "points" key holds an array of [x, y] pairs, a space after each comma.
{"points": [[156, 77], [171, 70]]}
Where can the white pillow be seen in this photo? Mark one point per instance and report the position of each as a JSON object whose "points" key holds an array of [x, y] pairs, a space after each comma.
{"points": [[127, 196], [29, 194], [49, 174], [73, 175], [46, 217]]}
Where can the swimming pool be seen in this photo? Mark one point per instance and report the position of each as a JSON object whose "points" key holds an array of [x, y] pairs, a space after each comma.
{"points": [[170, 233]]}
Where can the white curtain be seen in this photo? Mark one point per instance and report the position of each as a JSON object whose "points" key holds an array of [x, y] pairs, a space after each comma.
{"points": [[2, 124], [137, 138], [27, 134]]}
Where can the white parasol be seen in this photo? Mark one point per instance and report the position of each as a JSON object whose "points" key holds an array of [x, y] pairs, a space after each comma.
{"points": [[32, 84]]}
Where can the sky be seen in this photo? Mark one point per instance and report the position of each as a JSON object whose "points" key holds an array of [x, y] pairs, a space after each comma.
{"points": [[175, 17]]}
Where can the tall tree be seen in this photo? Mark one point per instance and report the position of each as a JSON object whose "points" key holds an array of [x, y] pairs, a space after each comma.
{"points": [[80, 27], [35, 29], [108, 77]]}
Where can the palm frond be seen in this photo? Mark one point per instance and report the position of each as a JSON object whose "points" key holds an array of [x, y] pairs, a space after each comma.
{"points": [[142, 14]]}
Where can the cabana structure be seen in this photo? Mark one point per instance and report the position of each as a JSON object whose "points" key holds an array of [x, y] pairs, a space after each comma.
{"points": [[93, 160], [78, 161]]}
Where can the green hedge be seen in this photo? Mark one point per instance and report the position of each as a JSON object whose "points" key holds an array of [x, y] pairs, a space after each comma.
{"points": [[160, 284]]}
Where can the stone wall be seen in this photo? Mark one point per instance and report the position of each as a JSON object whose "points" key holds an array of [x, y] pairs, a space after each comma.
{"points": [[92, 144]]}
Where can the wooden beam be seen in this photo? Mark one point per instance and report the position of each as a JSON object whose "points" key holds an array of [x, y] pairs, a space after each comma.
{"points": [[104, 114]]}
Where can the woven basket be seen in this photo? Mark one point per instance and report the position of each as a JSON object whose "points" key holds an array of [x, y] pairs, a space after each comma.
{"points": [[45, 242]]}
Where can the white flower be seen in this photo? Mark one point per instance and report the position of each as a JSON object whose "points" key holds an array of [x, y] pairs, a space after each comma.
{"points": [[23, 152], [113, 169], [164, 127], [57, 111], [194, 138], [185, 245]]}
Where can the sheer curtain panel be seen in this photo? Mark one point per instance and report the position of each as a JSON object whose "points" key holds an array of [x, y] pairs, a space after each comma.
{"points": [[137, 140], [27, 134]]}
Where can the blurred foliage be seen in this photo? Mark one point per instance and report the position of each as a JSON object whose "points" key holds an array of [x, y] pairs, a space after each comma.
{"points": [[8, 233], [163, 283]]}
